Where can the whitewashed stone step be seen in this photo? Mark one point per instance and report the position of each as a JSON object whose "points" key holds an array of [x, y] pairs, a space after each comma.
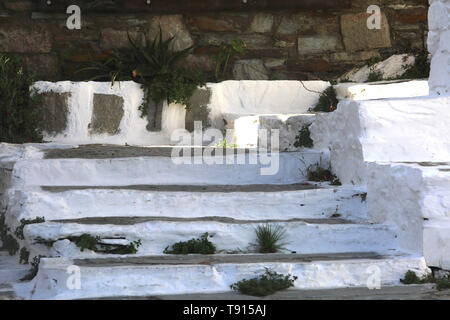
{"points": [[415, 199], [248, 202], [274, 168], [145, 276], [302, 236], [385, 130]]}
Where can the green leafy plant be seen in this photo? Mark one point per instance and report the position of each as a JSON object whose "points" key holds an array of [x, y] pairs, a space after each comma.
{"points": [[412, 278], [23, 223], [374, 76], [420, 69], [303, 139], [269, 238], [226, 54], [198, 246], [156, 67], [34, 269], [264, 285], [327, 101], [20, 117], [86, 241], [24, 255]]}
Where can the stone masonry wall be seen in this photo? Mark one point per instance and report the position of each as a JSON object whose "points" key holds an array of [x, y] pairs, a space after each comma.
{"points": [[313, 44], [439, 46]]}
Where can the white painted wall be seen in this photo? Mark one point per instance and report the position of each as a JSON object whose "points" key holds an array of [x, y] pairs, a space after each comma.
{"points": [[439, 46]]}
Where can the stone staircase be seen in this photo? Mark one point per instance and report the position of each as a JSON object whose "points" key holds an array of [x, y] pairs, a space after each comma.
{"points": [[336, 236], [105, 191]]}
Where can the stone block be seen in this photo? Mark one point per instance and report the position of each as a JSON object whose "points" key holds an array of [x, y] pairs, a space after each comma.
{"points": [[107, 114], [199, 110], [25, 39], [357, 36], [55, 110], [318, 44]]}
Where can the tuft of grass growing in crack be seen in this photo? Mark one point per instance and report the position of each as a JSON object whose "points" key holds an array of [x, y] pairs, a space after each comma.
{"points": [[195, 246], [412, 278], [269, 238], [303, 139], [264, 285], [23, 223]]}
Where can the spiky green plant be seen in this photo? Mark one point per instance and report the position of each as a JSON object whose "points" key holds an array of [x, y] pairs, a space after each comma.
{"points": [[269, 238]]}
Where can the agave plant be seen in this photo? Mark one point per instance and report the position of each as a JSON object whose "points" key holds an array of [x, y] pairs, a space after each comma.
{"points": [[156, 67]]}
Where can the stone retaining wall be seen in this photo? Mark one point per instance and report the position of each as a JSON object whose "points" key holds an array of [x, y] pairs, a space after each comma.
{"points": [[295, 44]]}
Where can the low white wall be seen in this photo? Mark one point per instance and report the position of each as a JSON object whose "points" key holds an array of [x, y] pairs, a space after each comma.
{"points": [[413, 129], [262, 97], [381, 90], [132, 127]]}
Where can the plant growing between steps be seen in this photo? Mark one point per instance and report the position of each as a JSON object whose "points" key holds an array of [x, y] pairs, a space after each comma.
{"points": [[194, 246], [34, 269], [264, 285], [269, 238], [412, 278], [318, 174], [20, 116], [303, 139], [23, 223], [86, 241]]}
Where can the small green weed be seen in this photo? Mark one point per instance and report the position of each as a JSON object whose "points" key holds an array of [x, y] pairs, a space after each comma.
{"points": [[199, 246], [327, 101], [303, 139], [412, 278], [267, 284], [318, 174], [86, 241]]}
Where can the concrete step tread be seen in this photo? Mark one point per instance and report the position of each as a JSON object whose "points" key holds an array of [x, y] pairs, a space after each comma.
{"points": [[196, 188], [402, 292], [195, 259], [98, 151], [138, 220]]}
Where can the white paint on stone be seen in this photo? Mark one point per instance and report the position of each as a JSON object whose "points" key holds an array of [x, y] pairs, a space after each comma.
{"points": [[404, 195], [132, 127], [438, 44], [381, 90], [155, 236], [395, 130], [279, 168], [88, 203], [148, 280]]}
